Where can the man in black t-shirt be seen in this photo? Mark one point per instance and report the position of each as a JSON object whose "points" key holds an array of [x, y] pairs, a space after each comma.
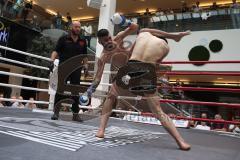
{"points": [[69, 46]]}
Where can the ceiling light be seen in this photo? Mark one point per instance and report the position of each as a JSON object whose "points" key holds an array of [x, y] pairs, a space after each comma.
{"points": [[220, 78], [80, 8], [51, 12]]}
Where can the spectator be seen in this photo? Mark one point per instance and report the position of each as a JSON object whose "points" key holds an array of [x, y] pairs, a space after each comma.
{"points": [[31, 105], [11, 102], [203, 116], [26, 11], [192, 123], [58, 21], [88, 33], [184, 7], [18, 104], [235, 128], [17, 8], [7, 8], [69, 20], [2, 103], [165, 90], [180, 92], [159, 12], [219, 126], [234, 15], [169, 11], [196, 8], [203, 126], [214, 6], [146, 18], [2, 2], [234, 4], [119, 115]]}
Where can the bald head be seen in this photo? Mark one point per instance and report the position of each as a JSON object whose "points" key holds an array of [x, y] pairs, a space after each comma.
{"points": [[76, 27], [76, 23]]}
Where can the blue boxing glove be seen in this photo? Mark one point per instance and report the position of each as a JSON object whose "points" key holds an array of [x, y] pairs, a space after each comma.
{"points": [[120, 20], [92, 88], [83, 100]]}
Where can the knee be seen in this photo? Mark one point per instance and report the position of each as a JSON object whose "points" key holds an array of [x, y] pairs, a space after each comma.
{"points": [[163, 117]]}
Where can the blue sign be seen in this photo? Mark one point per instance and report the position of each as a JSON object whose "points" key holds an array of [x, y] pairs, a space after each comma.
{"points": [[3, 33]]}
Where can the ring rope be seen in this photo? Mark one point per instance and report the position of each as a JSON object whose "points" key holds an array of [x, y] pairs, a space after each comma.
{"points": [[202, 89], [25, 53], [23, 76], [197, 62], [230, 105], [194, 119], [22, 63], [155, 115], [22, 87], [24, 101]]}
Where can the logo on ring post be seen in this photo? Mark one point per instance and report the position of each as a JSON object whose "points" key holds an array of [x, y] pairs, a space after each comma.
{"points": [[3, 33]]}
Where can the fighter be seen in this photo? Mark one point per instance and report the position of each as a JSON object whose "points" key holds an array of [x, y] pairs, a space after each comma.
{"points": [[150, 47]]}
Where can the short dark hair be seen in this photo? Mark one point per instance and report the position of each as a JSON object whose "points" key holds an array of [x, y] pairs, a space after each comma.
{"points": [[102, 33]]}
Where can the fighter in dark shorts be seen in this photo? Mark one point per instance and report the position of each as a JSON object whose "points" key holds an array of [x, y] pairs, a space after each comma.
{"points": [[146, 52], [138, 77]]}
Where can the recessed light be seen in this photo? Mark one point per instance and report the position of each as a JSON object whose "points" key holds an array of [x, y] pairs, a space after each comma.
{"points": [[80, 8]]}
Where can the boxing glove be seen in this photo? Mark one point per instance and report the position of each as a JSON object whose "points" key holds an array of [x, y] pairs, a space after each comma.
{"points": [[83, 100], [92, 88], [120, 20]]}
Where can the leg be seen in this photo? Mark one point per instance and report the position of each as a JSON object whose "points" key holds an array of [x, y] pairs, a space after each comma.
{"points": [[56, 107], [106, 113], [75, 79], [167, 123], [175, 36]]}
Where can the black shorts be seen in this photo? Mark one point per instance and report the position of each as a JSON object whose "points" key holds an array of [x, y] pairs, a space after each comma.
{"points": [[138, 77]]}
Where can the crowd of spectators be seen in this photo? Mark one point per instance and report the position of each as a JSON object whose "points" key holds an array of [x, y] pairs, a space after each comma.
{"points": [[22, 11], [215, 126], [16, 104]]}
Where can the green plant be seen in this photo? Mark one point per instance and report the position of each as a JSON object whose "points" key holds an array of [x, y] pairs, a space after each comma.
{"points": [[42, 46]]}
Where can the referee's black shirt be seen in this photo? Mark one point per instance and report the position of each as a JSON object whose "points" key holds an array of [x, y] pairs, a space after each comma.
{"points": [[67, 48]]}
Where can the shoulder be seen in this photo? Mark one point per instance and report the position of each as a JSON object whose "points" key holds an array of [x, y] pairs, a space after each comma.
{"points": [[63, 38]]}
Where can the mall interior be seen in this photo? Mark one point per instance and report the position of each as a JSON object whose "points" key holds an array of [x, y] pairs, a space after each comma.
{"points": [[198, 78]]}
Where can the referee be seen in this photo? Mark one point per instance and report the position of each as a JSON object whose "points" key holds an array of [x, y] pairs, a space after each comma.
{"points": [[67, 47]]}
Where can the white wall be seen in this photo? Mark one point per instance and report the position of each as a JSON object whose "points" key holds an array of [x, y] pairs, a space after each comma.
{"points": [[231, 50]]}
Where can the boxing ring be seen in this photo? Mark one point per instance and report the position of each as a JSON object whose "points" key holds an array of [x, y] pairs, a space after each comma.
{"points": [[231, 142], [137, 98]]}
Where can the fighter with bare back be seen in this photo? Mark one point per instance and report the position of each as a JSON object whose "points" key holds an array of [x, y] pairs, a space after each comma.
{"points": [[138, 74]]}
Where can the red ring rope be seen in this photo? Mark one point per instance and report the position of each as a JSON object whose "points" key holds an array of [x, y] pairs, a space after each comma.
{"points": [[195, 119], [202, 89], [232, 105], [200, 73], [196, 62]]}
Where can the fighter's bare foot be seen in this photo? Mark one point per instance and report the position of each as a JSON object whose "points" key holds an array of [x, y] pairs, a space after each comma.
{"points": [[100, 134], [184, 146], [181, 35]]}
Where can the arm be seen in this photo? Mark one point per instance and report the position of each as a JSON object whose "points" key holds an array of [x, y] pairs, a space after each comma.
{"points": [[56, 52], [120, 20], [129, 30], [54, 55], [97, 78]]}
